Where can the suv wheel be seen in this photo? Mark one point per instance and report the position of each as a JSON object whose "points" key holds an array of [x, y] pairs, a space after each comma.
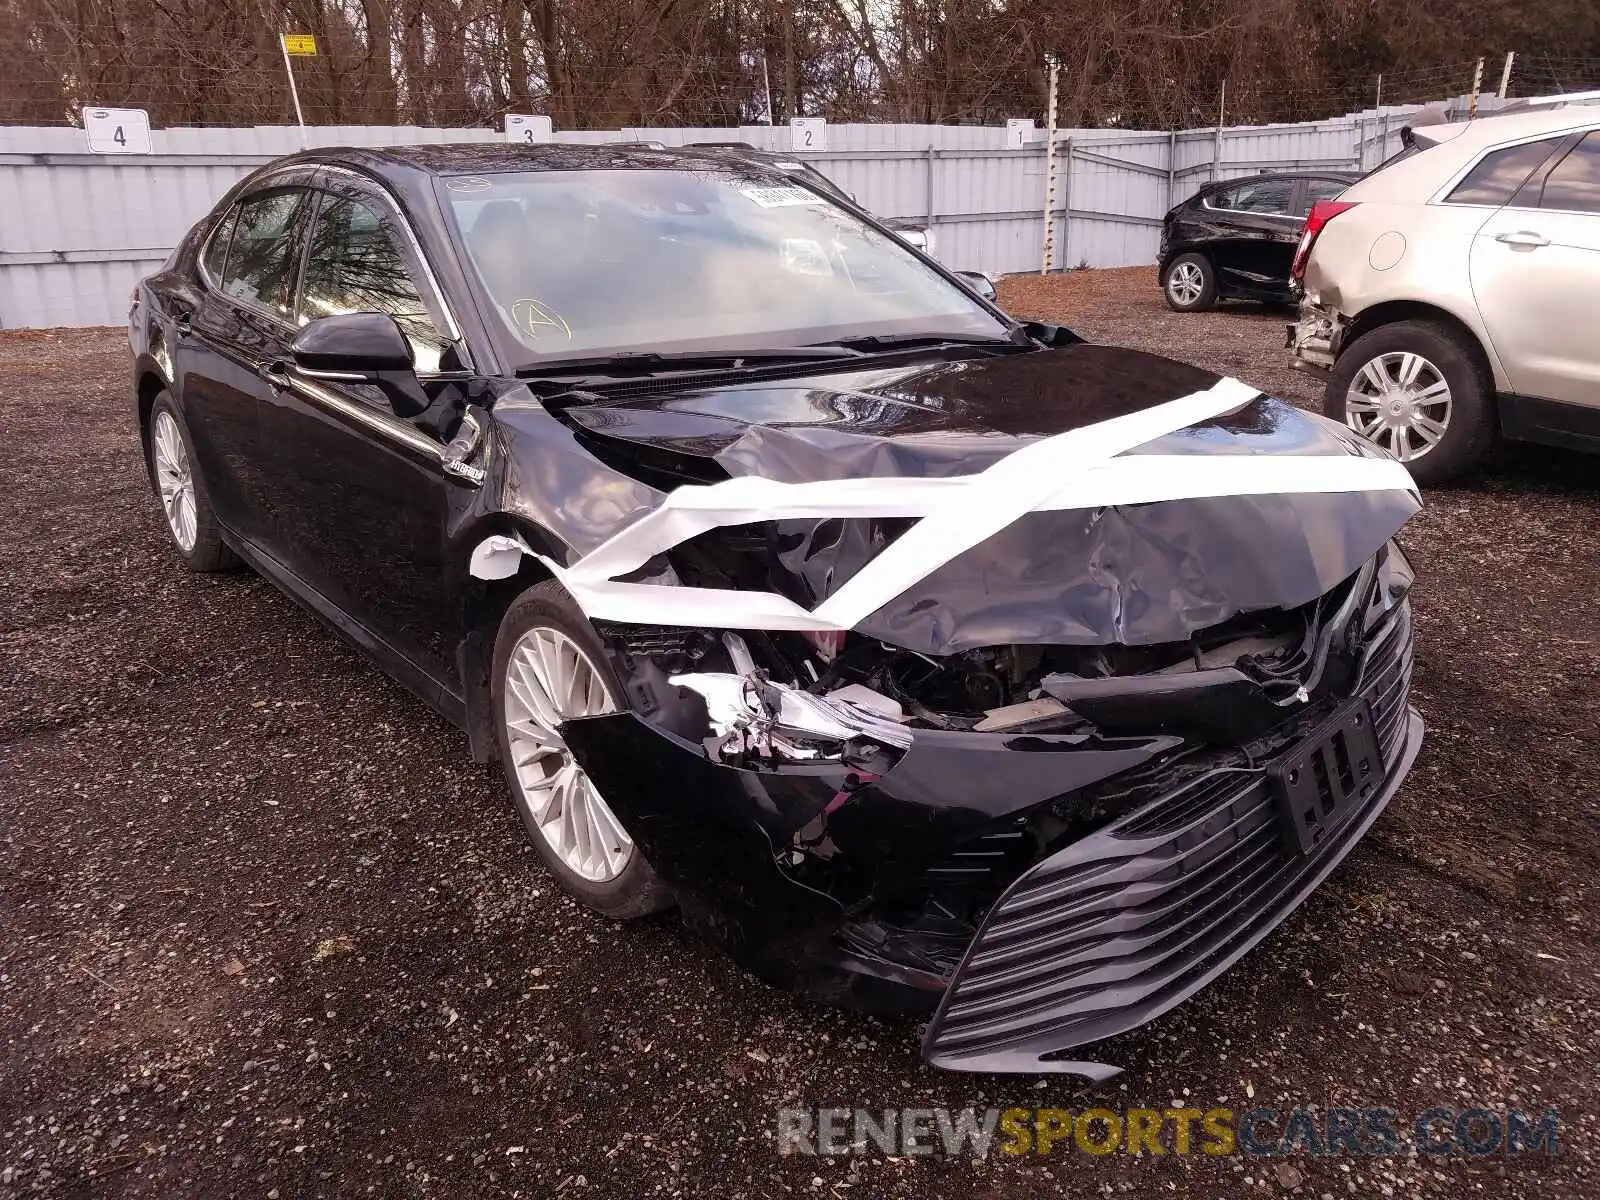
{"points": [[1190, 285], [548, 668], [1420, 391]]}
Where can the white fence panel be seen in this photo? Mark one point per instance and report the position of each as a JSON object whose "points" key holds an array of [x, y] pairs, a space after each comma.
{"points": [[77, 230]]}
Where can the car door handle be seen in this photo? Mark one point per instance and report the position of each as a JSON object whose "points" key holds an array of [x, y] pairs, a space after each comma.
{"points": [[1523, 239], [275, 372]]}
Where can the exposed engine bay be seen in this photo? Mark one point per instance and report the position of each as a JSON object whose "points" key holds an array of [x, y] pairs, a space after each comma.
{"points": [[846, 697]]}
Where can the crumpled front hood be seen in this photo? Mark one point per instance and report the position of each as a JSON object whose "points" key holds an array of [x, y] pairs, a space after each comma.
{"points": [[1136, 574], [925, 419]]}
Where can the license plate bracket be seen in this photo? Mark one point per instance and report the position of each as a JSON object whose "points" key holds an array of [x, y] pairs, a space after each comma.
{"points": [[1327, 776]]}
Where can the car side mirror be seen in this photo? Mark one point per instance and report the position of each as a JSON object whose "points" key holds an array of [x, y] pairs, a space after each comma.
{"points": [[365, 348], [979, 283]]}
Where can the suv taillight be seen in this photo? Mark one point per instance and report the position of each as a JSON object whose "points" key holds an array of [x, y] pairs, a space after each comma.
{"points": [[1321, 213]]}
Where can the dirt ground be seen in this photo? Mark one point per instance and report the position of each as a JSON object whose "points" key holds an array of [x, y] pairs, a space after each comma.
{"points": [[267, 932]]}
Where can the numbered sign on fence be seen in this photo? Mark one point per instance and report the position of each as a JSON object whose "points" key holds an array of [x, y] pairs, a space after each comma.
{"points": [[528, 130], [117, 130], [808, 133]]}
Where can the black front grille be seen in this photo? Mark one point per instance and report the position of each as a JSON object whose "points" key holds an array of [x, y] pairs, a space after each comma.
{"points": [[1122, 924], [1386, 682]]}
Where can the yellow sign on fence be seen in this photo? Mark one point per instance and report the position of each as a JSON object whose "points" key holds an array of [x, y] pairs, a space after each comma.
{"points": [[299, 43]]}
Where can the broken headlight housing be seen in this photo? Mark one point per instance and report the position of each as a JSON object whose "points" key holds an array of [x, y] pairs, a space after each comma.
{"points": [[752, 715]]}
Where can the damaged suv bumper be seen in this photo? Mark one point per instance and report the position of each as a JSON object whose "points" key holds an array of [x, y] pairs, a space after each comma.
{"points": [[1316, 336], [1037, 891]]}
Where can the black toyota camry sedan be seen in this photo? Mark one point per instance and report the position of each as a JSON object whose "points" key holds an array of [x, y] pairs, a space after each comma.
{"points": [[1235, 240], [920, 657]]}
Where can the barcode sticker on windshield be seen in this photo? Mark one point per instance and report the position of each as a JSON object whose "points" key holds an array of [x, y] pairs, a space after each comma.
{"points": [[778, 197]]}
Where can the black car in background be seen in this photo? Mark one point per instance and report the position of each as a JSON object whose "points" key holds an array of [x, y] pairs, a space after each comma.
{"points": [[919, 656], [1235, 239]]}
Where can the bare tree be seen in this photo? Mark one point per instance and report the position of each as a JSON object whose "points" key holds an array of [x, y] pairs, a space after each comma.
{"points": [[614, 63]]}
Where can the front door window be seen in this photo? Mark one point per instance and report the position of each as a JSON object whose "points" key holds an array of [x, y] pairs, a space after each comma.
{"points": [[355, 265]]}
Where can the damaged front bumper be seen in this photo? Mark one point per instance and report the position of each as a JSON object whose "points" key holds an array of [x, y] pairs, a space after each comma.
{"points": [[1036, 888], [1114, 930]]}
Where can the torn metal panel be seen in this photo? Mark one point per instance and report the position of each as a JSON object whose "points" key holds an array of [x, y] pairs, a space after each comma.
{"points": [[756, 717]]}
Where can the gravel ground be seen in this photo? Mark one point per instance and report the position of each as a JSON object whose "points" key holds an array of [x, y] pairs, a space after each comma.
{"points": [[267, 932]]}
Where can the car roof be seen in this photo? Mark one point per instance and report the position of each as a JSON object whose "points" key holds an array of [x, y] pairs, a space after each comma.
{"points": [[1447, 149], [486, 158], [1492, 128], [1346, 176]]}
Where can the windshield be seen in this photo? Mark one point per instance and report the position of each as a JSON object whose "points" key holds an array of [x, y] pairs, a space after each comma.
{"points": [[579, 263]]}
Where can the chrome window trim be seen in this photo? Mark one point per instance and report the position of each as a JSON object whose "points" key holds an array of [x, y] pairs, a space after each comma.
{"points": [[1205, 203], [1245, 212], [1591, 213], [389, 427], [1440, 195]]}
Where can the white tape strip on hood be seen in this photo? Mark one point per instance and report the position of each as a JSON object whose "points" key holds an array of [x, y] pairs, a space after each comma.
{"points": [[1083, 468]]}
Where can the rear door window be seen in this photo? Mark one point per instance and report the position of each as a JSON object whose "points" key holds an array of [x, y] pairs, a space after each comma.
{"points": [[215, 257], [1573, 184], [263, 257], [1321, 189], [1498, 174], [1270, 197]]}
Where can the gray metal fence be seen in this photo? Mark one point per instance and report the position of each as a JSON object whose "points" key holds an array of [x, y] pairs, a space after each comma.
{"points": [[78, 229]]}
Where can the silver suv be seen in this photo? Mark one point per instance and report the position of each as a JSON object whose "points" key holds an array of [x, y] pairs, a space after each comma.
{"points": [[1453, 294]]}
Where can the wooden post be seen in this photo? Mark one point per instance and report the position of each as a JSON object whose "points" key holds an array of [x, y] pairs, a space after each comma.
{"points": [[294, 92], [1505, 73], [1477, 86]]}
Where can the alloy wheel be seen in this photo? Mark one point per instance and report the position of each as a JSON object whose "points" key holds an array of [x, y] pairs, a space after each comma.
{"points": [[1185, 283], [1401, 402], [174, 480], [549, 680]]}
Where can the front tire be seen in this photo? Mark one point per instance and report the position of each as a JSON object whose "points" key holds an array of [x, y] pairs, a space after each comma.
{"points": [[549, 666], [1419, 390], [191, 523], [1189, 283]]}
